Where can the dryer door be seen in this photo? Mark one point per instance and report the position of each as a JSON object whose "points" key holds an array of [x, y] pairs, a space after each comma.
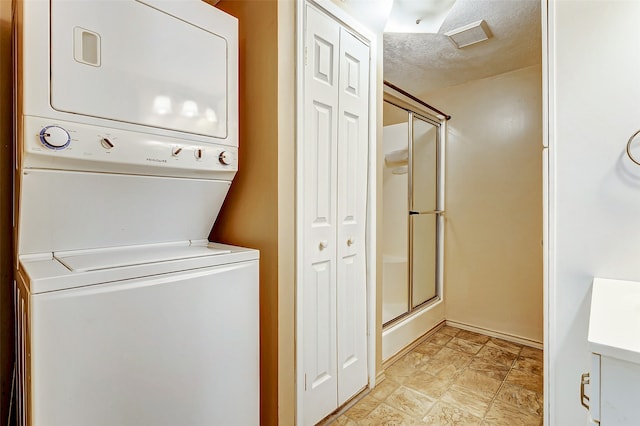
{"points": [[134, 63]]}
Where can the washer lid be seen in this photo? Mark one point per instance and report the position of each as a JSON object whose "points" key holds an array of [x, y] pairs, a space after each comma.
{"points": [[42, 273], [117, 257]]}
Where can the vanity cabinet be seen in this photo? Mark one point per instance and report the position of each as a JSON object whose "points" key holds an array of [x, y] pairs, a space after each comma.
{"points": [[611, 390]]}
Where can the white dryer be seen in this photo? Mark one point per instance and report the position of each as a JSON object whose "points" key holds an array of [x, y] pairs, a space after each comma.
{"points": [[127, 145]]}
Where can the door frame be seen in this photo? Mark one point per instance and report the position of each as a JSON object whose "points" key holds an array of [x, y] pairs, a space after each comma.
{"points": [[548, 205], [370, 39]]}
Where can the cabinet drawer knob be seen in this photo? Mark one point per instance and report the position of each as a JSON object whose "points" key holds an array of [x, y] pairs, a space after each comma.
{"points": [[351, 241], [323, 244]]}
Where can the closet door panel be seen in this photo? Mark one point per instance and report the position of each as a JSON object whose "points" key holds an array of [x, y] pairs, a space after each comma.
{"points": [[353, 140], [320, 363], [322, 44]]}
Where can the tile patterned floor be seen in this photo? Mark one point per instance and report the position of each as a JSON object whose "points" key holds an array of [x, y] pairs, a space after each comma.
{"points": [[456, 377]]}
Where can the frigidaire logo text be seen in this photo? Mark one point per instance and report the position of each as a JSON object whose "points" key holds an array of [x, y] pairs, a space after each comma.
{"points": [[157, 160]]}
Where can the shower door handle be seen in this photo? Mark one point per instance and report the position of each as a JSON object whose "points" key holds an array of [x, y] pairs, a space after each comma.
{"points": [[413, 212]]}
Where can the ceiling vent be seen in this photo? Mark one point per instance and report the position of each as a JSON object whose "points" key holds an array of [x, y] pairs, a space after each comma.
{"points": [[469, 34]]}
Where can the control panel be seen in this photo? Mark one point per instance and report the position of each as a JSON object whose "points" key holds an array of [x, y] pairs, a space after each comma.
{"points": [[73, 146]]}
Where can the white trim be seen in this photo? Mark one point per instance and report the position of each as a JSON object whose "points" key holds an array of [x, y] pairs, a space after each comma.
{"points": [[299, 326], [492, 333], [370, 39], [548, 179], [372, 217], [299, 159]]}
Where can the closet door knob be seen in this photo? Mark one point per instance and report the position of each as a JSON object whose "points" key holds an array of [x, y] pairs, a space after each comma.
{"points": [[351, 241], [323, 244]]}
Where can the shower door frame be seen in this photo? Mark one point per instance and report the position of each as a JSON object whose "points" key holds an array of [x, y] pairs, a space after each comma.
{"points": [[438, 211], [414, 109]]}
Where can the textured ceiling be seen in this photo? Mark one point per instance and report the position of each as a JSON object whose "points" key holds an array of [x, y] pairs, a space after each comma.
{"points": [[421, 63]]}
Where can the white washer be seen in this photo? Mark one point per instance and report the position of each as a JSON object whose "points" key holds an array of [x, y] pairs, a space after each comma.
{"points": [[152, 335], [127, 145]]}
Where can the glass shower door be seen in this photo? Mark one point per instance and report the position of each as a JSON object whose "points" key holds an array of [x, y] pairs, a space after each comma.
{"points": [[412, 219], [423, 210], [395, 235]]}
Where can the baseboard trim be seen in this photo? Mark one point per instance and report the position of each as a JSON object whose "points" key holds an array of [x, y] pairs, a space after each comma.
{"points": [[492, 333], [402, 352]]}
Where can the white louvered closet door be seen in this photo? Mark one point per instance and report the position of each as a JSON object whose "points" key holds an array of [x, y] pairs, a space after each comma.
{"points": [[334, 199]]}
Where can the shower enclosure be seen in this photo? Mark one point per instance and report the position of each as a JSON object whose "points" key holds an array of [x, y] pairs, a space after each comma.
{"points": [[413, 205]]}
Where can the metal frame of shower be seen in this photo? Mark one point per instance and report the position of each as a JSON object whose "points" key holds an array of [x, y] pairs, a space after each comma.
{"points": [[425, 112]]}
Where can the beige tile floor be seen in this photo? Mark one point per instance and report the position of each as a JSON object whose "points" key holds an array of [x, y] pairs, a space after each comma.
{"points": [[456, 377]]}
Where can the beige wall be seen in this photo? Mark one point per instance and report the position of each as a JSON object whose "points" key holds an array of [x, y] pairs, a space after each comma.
{"points": [[259, 210], [6, 203], [493, 251], [249, 216], [392, 114], [286, 213]]}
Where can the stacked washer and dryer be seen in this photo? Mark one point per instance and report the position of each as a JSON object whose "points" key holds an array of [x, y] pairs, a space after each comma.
{"points": [[127, 123]]}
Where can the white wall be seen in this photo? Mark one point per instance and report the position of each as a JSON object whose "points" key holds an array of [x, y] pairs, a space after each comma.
{"points": [[595, 189], [493, 220]]}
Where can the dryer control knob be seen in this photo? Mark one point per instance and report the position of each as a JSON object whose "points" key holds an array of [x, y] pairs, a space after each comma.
{"points": [[225, 158], [198, 153], [106, 143], [55, 137]]}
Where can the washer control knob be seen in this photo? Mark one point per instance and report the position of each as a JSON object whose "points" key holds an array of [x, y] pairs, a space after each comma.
{"points": [[198, 153], [55, 137], [225, 158], [176, 150], [106, 143]]}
